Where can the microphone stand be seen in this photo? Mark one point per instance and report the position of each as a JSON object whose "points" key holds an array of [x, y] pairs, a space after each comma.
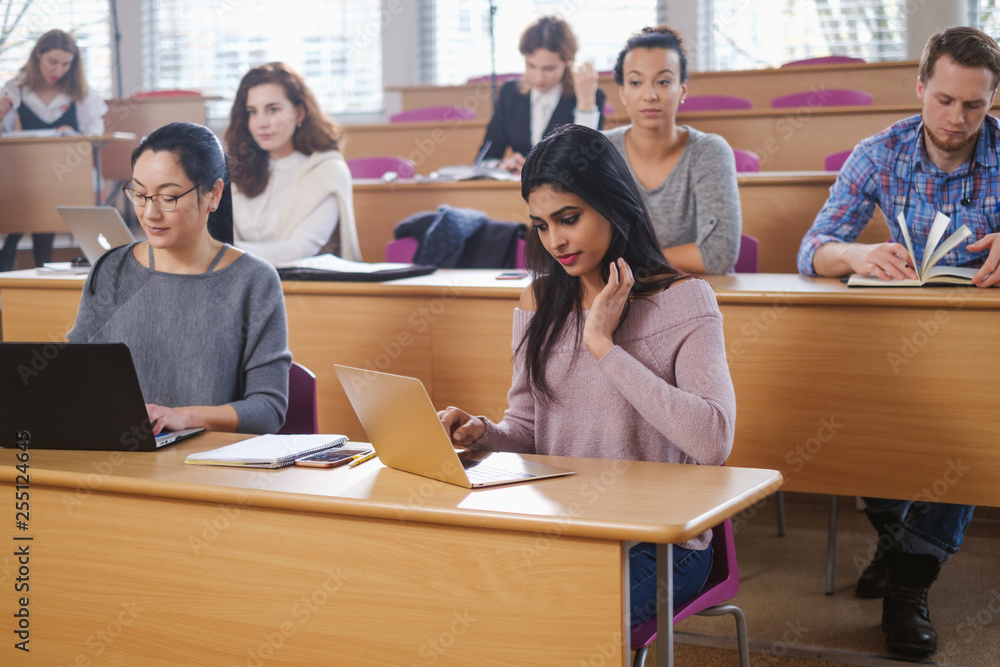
{"points": [[493, 56]]}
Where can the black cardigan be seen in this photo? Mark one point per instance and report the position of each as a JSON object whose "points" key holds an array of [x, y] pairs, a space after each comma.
{"points": [[511, 122]]}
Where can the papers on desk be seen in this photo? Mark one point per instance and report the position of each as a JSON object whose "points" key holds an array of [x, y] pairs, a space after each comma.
{"points": [[62, 268], [48, 132], [267, 451], [464, 172], [333, 263], [332, 268]]}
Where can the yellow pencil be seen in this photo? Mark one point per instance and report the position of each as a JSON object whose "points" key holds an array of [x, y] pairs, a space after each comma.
{"points": [[361, 459]]}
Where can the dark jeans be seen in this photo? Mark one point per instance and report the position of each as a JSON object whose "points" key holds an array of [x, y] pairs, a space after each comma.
{"points": [[41, 245], [690, 573], [925, 527]]}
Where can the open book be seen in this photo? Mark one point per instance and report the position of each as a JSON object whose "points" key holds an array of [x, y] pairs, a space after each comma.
{"points": [[935, 249]]}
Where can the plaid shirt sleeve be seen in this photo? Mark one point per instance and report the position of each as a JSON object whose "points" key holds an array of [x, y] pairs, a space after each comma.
{"points": [[847, 210]]}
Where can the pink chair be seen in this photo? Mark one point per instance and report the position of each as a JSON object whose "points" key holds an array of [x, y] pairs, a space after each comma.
{"points": [[432, 113], [746, 260], [403, 250], [746, 160], [825, 60], [715, 103], [377, 166], [302, 415], [723, 584], [823, 98], [834, 161]]}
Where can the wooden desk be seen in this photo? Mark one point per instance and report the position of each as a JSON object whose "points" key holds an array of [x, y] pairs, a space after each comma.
{"points": [[139, 559], [140, 116], [428, 145], [38, 174], [888, 83], [778, 208], [849, 392]]}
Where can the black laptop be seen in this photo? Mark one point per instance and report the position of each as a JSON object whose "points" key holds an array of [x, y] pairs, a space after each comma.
{"points": [[75, 396]]}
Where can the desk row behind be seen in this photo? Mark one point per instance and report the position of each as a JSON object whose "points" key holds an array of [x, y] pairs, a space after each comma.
{"points": [[777, 209], [852, 392]]}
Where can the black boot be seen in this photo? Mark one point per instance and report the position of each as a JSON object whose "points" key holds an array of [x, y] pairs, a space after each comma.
{"points": [[905, 618], [871, 583]]}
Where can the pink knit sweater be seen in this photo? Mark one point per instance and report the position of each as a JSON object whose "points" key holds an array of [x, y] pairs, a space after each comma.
{"points": [[663, 393]]}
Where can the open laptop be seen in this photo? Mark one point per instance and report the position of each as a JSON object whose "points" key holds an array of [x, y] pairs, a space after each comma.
{"points": [[75, 396], [407, 435], [96, 229]]}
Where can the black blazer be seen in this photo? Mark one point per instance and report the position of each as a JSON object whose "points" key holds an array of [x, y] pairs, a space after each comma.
{"points": [[511, 122]]}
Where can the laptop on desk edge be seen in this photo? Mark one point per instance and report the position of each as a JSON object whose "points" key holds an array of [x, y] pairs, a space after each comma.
{"points": [[96, 229], [83, 396], [404, 429]]}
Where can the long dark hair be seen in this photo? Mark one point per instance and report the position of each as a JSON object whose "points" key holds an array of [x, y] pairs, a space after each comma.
{"points": [[250, 163], [581, 161], [200, 155]]}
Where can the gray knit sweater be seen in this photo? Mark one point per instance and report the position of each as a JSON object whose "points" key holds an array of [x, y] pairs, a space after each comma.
{"points": [[207, 339], [663, 393], [698, 202]]}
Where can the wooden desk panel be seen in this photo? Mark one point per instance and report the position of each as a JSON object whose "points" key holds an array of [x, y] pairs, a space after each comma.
{"points": [[777, 208], [888, 83], [148, 561], [428, 145], [36, 175], [892, 371]]}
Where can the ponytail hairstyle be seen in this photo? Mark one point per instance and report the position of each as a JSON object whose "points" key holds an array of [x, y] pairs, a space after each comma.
{"points": [[73, 82], [578, 160], [200, 155], [317, 132]]}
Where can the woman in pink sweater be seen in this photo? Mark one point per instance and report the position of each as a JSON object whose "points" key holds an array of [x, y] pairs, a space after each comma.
{"points": [[616, 353]]}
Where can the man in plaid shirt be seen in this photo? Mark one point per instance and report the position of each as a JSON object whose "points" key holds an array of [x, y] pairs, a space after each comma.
{"points": [[945, 159]]}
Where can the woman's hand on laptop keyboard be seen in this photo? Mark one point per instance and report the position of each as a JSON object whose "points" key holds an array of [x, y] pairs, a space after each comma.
{"points": [[463, 428]]}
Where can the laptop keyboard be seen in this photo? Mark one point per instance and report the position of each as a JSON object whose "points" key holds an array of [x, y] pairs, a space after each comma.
{"points": [[479, 473]]}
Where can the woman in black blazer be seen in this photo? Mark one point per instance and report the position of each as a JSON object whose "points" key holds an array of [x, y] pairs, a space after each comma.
{"points": [[549, 94]]}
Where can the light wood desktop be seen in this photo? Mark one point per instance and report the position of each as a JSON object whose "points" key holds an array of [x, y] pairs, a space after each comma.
{"points": [[139, 559], [846, 391], [777, 209], [888, 83], [39, 173]]}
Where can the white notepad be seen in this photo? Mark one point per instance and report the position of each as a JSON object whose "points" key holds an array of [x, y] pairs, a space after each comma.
{"points": [[267, 451]]}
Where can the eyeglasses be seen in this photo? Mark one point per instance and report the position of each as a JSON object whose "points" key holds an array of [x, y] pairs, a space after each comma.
{"points": [[165, 203]]}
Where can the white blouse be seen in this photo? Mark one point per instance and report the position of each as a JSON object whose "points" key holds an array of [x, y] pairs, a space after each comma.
{"points": [[255, 219], [89, 111]]}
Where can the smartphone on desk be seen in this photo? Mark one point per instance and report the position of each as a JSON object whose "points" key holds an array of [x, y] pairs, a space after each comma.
{"points": [[512, 275], [331, 458]]}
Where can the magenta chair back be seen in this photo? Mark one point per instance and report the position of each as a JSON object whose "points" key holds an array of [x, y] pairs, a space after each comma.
{"points": [[746, 160], [825, 60], [715, 103], [302, 415], [403, 250], [823, 98], [722, 585], [432, 113], [834, 161], [746, 261], [377, 166]]}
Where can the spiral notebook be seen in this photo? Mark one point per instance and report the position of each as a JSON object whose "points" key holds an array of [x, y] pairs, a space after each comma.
{"points": [[267, 451]]}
